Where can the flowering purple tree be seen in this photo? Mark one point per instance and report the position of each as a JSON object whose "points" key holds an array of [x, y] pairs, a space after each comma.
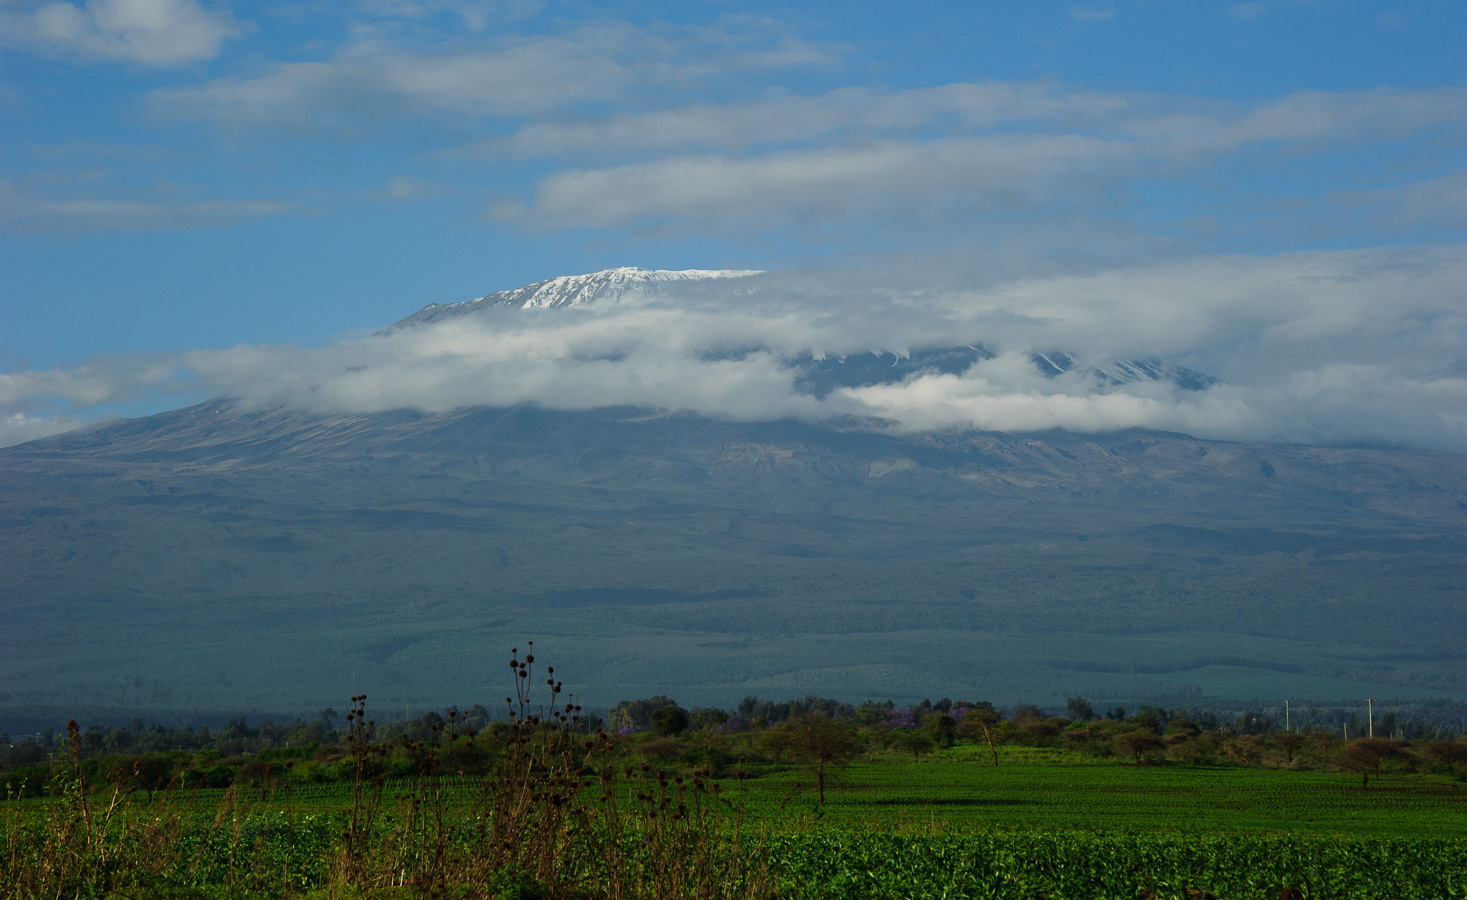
{"points": [[901, 718]]}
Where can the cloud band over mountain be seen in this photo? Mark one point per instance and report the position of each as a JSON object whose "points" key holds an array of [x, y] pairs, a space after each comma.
{"points": [[1332, 347]]}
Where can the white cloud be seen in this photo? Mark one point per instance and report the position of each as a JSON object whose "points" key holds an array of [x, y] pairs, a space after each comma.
{"points": [[1377, 115], [476, 15], [1005, 144], [1332, 347], [843, 114], [817, 187], [17, 428], [1431, 204], [150, 32], [26, 209], [371, 83]]}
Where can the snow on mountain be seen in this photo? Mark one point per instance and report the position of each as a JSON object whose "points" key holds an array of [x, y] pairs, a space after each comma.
{"points": [[1119, 372], [817, 376], [573, 290]]}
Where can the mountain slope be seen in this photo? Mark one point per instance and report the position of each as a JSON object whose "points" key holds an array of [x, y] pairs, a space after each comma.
{"points": [[217, 557]]}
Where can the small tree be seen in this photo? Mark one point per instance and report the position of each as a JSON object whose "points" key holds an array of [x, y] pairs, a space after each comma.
{"points": [[1080, 709], [1448, 753], [1288, 742], [1366, 754], [980, 720], [1138, 742], [823, 744]]}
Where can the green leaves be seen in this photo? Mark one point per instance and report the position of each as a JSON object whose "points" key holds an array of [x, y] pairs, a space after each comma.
{"points": [[1102, 865]]}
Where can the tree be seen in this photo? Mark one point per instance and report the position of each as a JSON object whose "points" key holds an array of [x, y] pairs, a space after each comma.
{"points": [[1448, 753], [636, 715], [1245, 748], [669, 720], [909, 740], [775, 741], [981, 719], [942, 727], [1138, 742], [1080, 709], [823, 744], [1288, 742], [707, 717], [1366, 754]]}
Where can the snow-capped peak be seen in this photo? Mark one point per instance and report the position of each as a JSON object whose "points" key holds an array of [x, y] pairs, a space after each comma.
{"points": [[575, 290]]}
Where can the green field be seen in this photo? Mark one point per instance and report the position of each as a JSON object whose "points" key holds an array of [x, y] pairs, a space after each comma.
{"points": [[1056, 789], [1044, 823]]}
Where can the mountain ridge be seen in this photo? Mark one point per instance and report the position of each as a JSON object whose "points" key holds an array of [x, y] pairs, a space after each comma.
{"points": [[607, 285]]}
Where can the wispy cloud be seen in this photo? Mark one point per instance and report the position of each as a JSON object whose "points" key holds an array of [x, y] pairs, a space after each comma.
{"points": [[475, 15], [1248, 11], [148, 32], [371, 83], [1007, 145], [823, 186], [28, 208], [841, 115]]}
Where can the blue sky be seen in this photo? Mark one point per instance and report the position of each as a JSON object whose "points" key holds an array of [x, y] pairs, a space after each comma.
{"points": [[181, 176]]}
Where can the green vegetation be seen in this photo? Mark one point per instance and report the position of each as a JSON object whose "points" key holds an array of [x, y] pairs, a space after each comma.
{"points": [[807, 799]]}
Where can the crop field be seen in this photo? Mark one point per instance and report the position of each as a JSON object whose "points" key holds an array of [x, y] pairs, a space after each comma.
{"points": [[1036, 788], [810, 807], [1044, 823]]}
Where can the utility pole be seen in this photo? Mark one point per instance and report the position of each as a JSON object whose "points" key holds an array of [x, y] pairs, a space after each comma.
{"points": [[1370, 714], [1286, 716]]}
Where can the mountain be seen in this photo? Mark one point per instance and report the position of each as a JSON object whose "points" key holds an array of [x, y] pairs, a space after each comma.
{"points": [[818, 375], [223, 557], [1121, 372], [608, 286]]}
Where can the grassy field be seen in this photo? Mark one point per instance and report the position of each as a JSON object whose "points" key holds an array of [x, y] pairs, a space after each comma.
{"points": [[1056, 789]]}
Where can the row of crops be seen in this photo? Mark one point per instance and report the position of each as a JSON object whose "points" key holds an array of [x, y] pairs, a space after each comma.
{"points": [[843, 865], [276, 854]]}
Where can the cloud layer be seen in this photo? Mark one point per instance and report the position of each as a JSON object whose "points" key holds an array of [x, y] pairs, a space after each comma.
{"points": [[149, 32], [1319, 347]]}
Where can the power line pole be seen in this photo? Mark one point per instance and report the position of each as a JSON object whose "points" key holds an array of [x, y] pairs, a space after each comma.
{"points": [[1286, 716], [1370, 714]]}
